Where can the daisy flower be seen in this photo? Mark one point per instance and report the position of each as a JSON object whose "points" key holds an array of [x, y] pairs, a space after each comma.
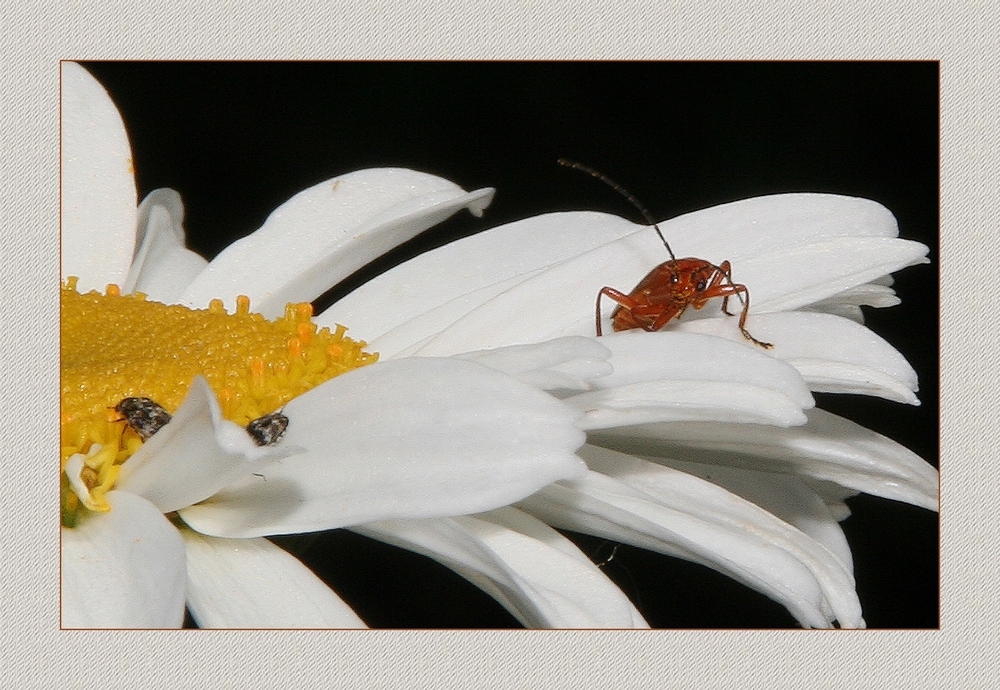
{"points": [[190, 431], [713, 453]]}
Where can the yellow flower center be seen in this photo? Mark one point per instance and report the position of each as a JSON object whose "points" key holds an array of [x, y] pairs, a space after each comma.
{"points": [[118, 346]]}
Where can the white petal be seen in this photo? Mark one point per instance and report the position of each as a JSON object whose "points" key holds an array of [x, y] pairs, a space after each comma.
{"points": [[123, 569], [799, 276], [409, 438], [661, 401], [325, 233], [562, 364], [555, 302], [535, 573], [833, 495], [638, 356], [680, 489], [539, 305], [782, 247], [764, 223], [668, 376], [871, 294], [163, 266], [412, 337], [828, 448], [251, 583], [652, 507], [195, 455], [527, 304], [98, 184], [471, 264], [518, 249], [847, 303], [833, 354], [782, 495]]}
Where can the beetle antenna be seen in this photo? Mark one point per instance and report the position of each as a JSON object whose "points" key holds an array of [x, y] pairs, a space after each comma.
{"points": [[624, 192]]}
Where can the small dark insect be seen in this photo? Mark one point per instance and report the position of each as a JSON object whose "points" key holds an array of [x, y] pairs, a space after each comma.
{"points": [[671, 287], [143, 415], [267, 430]]}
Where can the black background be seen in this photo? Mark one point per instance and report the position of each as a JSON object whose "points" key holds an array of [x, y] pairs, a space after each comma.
{"points": [[238, 139]]}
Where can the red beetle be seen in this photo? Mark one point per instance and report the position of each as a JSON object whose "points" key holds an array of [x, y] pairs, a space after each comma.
{"points": [[671, 287]]}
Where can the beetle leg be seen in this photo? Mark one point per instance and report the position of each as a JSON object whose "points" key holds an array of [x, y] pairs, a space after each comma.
{"points": [[652, 317], [725, 270], [727, 291], [619, 297], [664, 315], [743, 318]]}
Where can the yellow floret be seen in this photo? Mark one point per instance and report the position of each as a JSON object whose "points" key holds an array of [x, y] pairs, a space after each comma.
{"points": [[116, 346]]}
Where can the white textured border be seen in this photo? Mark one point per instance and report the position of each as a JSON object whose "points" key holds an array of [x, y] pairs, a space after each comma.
{"points": [[962, 35]]}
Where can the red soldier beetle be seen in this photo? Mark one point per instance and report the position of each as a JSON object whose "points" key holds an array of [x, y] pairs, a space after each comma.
{"points": [[671, 287]]}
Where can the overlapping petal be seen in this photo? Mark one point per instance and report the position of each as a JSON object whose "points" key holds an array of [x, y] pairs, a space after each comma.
{"points": [[533, 571], [163, 265], [785, 496], [848, 303], [487, 261], [827, 448], [782, 246], [345, 223], [445, 437], [667, 376], [832, 354], [560, 365], [251, 583], [636, 502], [98, 184], [196, 455], [123, 569]]}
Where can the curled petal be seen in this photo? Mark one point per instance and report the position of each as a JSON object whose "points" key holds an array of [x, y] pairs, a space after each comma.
{"points": [[251, 583], [827, 449], [325, 233], [409, 438], [562, 364], [123, 568], [653, 507], [195, 455], [832, 354], [162, 266], [534, 572], [98, 184]]}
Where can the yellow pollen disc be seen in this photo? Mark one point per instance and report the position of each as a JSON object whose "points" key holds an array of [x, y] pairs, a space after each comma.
{"points": [[117, 346]]}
